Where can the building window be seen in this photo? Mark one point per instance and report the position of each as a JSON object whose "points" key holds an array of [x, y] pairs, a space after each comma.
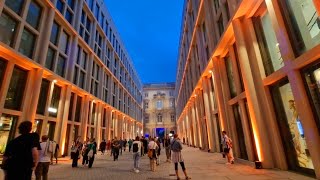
{"points": [[159, 118], [173, 118], [146, 105], [66, 9], [146, 119], [8, 27], [146, 94], [268, 44], [7, 130], [159, 104], [34, 14], [54, 32], [3, 65], [15, 5], [303, 24], [292, 131], [71, 106], [220, 26], [60, 70], [27, 43], [171, 103], [98, 45], [54, 104], [42, 101], [78, 109], [51, 55], [85, 27], [16, 89], [311, 76]]}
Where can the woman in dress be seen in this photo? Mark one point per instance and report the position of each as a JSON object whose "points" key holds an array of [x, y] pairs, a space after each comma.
{"points": [[176, 147]]}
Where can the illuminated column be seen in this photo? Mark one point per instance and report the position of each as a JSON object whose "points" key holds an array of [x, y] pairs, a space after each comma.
{"points": [[34, 91], [195, 125], [208, 113], [62, 118], [199, 120], [252, 90], [98, 122], [84, 117]]}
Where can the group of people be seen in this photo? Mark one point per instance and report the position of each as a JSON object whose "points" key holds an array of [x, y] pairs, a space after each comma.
{"points": [[88, 150], [26, 154]]}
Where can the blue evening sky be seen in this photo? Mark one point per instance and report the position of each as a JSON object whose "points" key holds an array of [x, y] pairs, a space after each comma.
{"points": [[150, 31]]}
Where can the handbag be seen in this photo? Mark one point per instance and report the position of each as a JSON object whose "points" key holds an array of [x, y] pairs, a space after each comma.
{"points": [[226, 150]]}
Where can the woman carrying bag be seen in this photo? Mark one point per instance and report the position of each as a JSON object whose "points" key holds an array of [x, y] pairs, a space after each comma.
{"points": [[152, 149]]}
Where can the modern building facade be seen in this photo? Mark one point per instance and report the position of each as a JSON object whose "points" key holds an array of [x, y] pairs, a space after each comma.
{"points": [[63, 67], [252, 68], [159, 114]]}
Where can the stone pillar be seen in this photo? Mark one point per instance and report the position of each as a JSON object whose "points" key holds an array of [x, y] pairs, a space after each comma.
{"points": [[252, 87], [62, 122]]}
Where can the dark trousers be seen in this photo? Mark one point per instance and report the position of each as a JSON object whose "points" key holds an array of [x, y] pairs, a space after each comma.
{"points": [[129, 148], [42, 170], [121, 151], [85, 159], [91, 161], [21, 174], [115, 153], [75, 157], [182, 165]]}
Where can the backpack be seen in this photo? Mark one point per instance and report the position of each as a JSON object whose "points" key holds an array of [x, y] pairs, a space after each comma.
{"points": [[135, 147]]}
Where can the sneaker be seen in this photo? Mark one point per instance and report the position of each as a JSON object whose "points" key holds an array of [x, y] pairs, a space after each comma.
{"points": [[137, 171]]}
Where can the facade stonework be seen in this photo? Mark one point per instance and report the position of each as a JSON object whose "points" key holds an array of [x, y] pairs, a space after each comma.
{"points": [[252, 68], [63, 67], [159, 116]]}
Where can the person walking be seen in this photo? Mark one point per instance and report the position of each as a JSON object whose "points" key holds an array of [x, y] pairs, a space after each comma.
{"points": [[166, 145], [125, 144], [227, 147], [176, 147], [121, 146], [102, 147], [42, 169], [109, 147], [136, 148], [145, 145], [21, 155], [116, 147], [142, 146], [130, 144], [92, 150], [75, 152], [152, 154], [85, 160], [112, 148], [56, 152], [157, 140]]}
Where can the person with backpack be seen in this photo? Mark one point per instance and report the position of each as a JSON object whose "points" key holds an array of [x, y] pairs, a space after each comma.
{"points": [[42, 169], [21, 154], [136, 147], [176, 147]]}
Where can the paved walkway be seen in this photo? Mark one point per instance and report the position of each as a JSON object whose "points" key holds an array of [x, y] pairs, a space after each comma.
{"points": [[200, 166]]}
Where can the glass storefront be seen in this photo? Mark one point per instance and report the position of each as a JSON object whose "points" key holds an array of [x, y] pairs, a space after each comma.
{"points": [[292, 132], [37, 126], [312, 81], [303, 24], [242, 145], [268, 43], [50, 129], [7, 130]]}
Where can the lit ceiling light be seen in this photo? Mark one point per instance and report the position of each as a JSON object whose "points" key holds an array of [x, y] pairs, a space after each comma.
{"points": [[52, 110]]}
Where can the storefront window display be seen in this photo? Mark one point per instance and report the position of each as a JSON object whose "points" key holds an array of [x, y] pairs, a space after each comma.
{"points": [[7, 130], [312, 80], [292, 131]]}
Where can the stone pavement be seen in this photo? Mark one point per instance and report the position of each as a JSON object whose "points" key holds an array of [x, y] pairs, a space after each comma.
{"points": [[200, 166]]}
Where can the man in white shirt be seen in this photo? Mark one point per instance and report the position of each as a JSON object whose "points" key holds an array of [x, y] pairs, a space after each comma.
{"points": [[136, 148], [44, 161]]}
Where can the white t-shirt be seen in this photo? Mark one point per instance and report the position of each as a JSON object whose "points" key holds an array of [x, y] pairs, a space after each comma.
{"points": [[139, 146], [152, 145], [44, 157]]}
